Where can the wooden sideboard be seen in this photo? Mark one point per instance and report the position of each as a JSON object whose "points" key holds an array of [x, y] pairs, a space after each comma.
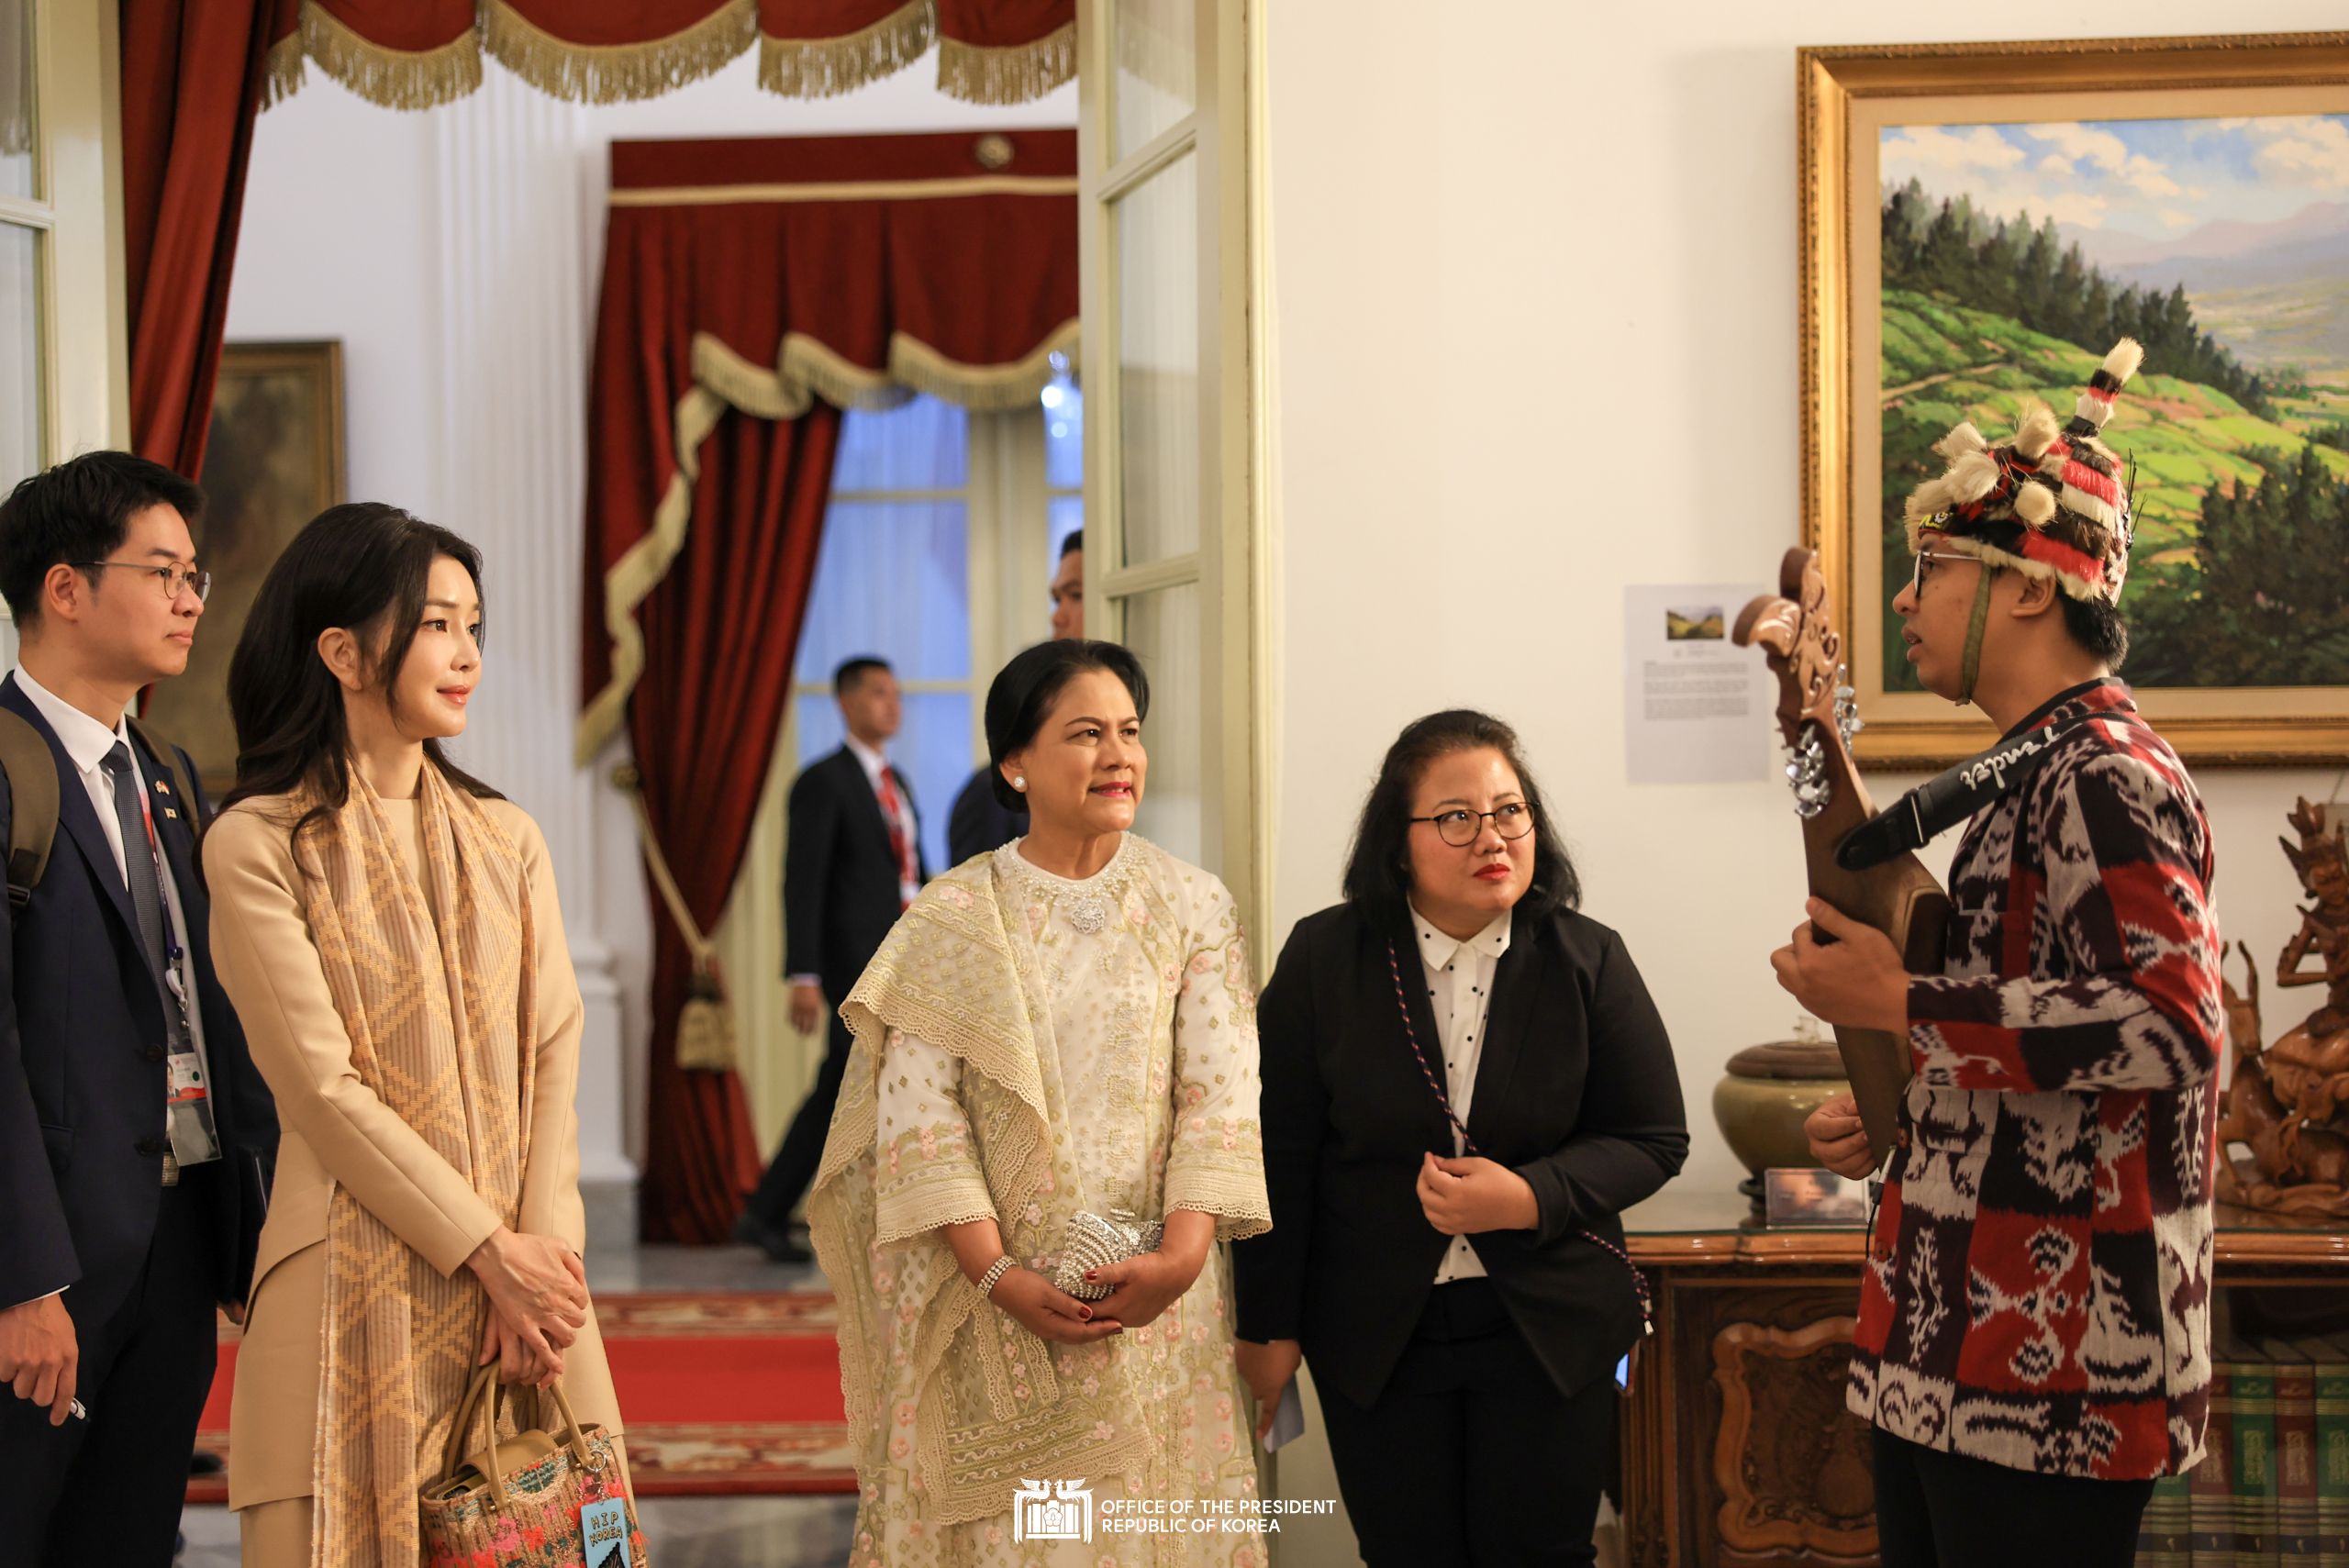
{"points": [[1737, 1451]]}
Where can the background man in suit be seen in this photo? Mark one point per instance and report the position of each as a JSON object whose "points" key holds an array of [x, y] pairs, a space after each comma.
{"points": [[979, 822], [852, 866], [135, 1138]]}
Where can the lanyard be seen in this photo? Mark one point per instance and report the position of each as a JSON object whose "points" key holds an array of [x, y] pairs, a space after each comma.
{"points": [[173, 952]]}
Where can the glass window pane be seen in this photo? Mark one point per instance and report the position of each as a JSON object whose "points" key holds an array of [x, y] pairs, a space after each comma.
{"points": [[1157, 68], [893, 580], [933, 751], [925, 444], [1158, 364], [1063, 434], [1163, 629], [20, 357], [17, 121]]}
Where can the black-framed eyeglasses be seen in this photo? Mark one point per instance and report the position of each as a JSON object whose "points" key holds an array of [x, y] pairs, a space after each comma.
{"points": [[1918, 576], [174, 580], [1460, 827]]}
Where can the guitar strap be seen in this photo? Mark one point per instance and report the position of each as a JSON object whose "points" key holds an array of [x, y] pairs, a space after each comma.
{"points": [[1942, 802]]}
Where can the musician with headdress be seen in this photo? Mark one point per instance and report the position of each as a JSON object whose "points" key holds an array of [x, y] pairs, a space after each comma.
{"points": [[2033, 1340]]}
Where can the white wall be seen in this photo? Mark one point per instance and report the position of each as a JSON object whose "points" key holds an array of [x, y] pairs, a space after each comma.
{"points": [[457, 254], [1535, 281]]}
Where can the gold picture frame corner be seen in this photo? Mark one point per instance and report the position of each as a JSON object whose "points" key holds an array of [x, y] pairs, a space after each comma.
{"points": [[1837, 85]]}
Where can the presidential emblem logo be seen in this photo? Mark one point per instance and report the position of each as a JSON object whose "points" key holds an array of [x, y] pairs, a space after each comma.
{"points": [[1053, 1511]]}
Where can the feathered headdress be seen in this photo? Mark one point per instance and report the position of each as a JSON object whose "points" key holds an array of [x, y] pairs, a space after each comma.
{"points": [[2051, 503]]}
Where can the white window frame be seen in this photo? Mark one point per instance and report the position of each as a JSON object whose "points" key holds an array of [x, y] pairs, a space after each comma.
{"points": [[84, 393], [1229, 567]]}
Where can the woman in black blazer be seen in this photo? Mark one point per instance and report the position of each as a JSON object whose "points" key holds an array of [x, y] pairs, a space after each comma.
{"points": [[1459, 1287]]}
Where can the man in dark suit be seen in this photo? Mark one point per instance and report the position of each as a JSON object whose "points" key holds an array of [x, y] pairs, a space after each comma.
{"points": [[136, 1138], [979, 822], [852, 866]]}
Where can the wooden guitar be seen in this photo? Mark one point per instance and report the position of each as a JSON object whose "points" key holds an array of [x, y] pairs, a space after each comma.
{"points": [[1796, 631]]}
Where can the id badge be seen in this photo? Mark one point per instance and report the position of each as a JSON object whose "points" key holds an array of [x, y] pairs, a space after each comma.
{"points": [[185, 1075], [188, 1099], [602, 1532]]}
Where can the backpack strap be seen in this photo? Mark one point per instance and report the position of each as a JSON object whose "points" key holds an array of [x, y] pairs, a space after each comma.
{"points": [[31, 768], [176, 762]]}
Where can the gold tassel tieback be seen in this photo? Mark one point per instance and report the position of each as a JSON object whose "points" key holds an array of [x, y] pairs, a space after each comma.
{"points": [[705, 1026]]}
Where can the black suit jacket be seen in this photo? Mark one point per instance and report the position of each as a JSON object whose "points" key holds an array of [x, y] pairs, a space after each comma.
{"points": [[979, 822], [840, 878], [81, 1079], [1576, 1091]]}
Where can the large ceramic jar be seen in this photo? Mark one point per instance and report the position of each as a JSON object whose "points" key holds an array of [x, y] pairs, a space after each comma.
{"points": [[1768, 1092]]}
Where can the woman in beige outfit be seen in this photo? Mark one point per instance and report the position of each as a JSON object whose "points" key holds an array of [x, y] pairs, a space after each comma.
{"points": [[389, 931]]}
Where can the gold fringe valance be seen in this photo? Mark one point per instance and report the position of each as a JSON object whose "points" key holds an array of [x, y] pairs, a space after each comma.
{"points": [[805, 370], [396, 79], [826, 68], [608, 73], [1018, 74], [583, 74], [285, 70]]}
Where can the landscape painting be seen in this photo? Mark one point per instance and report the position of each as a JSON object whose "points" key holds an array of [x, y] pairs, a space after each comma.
{"points": [[273, 460], [2013, 254]]}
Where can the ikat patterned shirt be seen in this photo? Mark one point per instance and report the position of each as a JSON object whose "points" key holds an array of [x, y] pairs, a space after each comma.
{"points": [[2038, 1286]]}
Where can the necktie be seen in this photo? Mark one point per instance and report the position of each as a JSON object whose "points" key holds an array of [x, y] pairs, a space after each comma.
{"points": [[193, 1138], [901, 842], [138, 870]]}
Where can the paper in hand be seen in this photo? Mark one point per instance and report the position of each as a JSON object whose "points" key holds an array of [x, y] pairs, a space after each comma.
{"points": [[1288, 1418]]}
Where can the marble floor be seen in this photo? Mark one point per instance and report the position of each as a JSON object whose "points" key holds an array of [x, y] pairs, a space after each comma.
{"points": [[698, 1268], [679, 1533]]}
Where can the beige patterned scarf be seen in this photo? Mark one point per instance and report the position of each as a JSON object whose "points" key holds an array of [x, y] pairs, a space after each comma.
{"points": [[440, 1012], [994, 1408]]}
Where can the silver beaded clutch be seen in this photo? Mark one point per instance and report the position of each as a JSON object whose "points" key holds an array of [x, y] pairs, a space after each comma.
{"points": [[1092, 1242]]}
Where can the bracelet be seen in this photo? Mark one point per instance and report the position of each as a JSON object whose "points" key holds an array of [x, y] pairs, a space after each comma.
{"points": [[996, 1271]]}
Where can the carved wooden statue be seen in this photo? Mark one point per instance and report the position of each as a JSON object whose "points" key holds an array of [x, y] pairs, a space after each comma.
{"points": [[2285, 1102]]}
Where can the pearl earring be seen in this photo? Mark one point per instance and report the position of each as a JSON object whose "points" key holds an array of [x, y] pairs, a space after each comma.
{"points": [[1020, 783]]}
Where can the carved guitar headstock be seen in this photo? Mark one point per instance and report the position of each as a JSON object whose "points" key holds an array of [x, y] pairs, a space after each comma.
{"points": [[1796, 630], [1804, 649], [1899, 898]]}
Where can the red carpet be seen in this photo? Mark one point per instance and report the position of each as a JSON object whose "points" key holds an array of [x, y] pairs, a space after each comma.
{"points": [[724, 1395]]}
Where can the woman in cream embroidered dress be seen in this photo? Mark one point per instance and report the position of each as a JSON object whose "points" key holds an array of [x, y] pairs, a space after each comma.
{"points": [[389, 931], [1063, 1026]]}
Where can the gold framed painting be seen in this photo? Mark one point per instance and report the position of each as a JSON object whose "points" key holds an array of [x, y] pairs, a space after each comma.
{"points": [[273, 460], [1979, 223]]}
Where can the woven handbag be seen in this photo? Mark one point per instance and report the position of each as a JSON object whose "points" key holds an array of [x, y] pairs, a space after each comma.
{"points": [[517, 1504]]}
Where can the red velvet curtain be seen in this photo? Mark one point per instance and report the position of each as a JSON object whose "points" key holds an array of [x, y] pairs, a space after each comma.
{"points": [[750, 290], [412, 54], [726, 620], [193, 76]]}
